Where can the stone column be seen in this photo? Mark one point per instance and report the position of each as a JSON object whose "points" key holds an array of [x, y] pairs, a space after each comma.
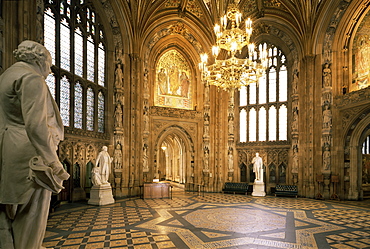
{"points": [[231, 142]]}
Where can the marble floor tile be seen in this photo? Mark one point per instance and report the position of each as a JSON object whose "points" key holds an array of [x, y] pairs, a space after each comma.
{"points": [[211, 220]]}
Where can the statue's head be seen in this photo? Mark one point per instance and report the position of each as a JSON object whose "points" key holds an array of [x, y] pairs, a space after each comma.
{"points": [[36, 54], [104, 148], [257, 154]]}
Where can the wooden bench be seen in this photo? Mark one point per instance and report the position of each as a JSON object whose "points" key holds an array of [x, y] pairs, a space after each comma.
{"points": [[286, 190], [236, 187]]}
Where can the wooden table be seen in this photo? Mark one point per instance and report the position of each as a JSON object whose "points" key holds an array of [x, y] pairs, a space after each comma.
{"points": [[157, 190]]}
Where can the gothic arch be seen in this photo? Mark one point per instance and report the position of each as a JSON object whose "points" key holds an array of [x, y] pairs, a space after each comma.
{"points": [[339, 38], [180, 147], [353, 160]]}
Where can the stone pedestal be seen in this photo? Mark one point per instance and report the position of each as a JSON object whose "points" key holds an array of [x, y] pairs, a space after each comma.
{"points": [[101, 195], [258, 189]]}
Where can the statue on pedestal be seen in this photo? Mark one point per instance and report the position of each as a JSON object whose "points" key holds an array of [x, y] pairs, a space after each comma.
{"points": [[259, 185], [101, 192], [100, 173], [258, 167]]}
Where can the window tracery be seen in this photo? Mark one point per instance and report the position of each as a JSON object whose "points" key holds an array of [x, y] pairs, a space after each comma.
{"points": [[76, 43], [263, 106]]}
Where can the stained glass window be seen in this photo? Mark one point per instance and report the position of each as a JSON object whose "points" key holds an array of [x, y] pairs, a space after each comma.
{"points": [[90, 59], [265, 104], [65, 45], [78, 52], [78, 106], [101, 65], [72, 31], [50, 81], [65, 96], [49, 33], [90, 104], [101, 112]]}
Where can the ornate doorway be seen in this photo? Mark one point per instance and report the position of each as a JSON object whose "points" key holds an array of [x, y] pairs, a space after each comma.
{"points": [[174, 156], [357, 163]]}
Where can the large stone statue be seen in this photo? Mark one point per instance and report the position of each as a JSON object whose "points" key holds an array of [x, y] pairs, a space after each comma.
{"points": [[30, 131], [258, 185], [101, 191], [103, 162], [257, 167]]}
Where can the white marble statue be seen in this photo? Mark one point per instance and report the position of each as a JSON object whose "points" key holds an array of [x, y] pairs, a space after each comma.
{"points": [[30, 131], [101, 192], [103, 162], [257, 167]]}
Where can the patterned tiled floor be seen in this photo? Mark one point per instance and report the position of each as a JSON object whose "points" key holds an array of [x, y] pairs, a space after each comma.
{"points": [[212, 220]]}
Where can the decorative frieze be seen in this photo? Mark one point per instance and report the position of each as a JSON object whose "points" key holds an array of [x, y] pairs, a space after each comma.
{"points": [[174, 112], [84, 133], [353, 99]]}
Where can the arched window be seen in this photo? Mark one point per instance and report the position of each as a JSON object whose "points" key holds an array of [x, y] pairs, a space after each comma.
{"points": [[263, 107], [78, 108], [90, 103], [76, 42]]}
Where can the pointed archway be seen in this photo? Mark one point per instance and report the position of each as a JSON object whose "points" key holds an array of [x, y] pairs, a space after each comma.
{"points": [[174, 156], [356, 138]]}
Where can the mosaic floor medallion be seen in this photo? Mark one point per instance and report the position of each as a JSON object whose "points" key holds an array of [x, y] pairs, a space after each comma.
{"points": [[238, 220]]}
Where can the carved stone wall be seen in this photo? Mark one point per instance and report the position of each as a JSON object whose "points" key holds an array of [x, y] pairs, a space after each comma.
{"points": [[80, 156]]}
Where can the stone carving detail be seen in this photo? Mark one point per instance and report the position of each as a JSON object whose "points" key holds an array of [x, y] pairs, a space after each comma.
{"points": [[327, 117], [327, 100], [272, 3], [294, 164], [145, 158], [178, 28], [118, 115], [356, 97], [173, 112], [206, 159], [117, 156], [118, 75], [230, 115], [65, 151], [348, 115], [326, 158], [250, 7], [90, 153], [326, 75], [79, 154], [242, 158], [39, 21], [295, 116], [84, 133]]}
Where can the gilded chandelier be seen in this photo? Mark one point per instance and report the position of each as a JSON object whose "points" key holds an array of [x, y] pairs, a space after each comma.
{"points": [[233, 72]]}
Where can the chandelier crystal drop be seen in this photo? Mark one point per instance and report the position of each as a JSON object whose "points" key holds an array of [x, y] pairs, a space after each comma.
{"points": [[234, 72]]}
